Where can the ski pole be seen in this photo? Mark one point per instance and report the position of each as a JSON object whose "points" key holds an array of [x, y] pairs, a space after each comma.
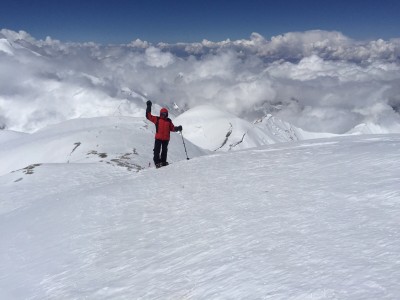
{"points": [[184, 146]]}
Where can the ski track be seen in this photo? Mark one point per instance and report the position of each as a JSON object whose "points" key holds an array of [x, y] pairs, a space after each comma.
{"points": [[309, 220]]}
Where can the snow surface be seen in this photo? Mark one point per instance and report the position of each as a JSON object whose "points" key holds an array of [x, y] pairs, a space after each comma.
{"points": [[120, 141], [212, 128], [316, 219], [8, 135]]}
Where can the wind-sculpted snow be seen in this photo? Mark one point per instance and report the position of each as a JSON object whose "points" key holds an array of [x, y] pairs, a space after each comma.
{"points": [[304, 220], [316, 80]]}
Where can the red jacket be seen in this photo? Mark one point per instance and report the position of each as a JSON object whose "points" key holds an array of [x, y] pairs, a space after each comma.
{"points": [[163, 125]]}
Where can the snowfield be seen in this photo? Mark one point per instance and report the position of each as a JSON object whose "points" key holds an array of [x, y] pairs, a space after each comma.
{"points": [[315, 219]]}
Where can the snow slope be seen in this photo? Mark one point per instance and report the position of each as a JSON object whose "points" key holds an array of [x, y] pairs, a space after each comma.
{"points": [[372, 128], [315, 219], [214, 129], [119, 141], [8, 135]]}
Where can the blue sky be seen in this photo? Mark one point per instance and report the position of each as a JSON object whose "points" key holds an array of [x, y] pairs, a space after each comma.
{"points": [[121, 21]]}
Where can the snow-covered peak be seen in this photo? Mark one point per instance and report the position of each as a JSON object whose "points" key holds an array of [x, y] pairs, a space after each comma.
{"points": [[373, 128], [212, 128], [6, 47]]}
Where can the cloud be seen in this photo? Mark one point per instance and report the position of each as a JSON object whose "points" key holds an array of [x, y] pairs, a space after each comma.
{"points": [[317, 80], [156, 58]]}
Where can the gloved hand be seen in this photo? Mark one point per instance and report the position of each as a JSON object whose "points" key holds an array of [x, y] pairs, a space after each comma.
{"points": [[178, 128], [149, 103]]}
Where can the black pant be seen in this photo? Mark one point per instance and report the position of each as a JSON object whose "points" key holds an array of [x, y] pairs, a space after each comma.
{"points": [[163, 146]]}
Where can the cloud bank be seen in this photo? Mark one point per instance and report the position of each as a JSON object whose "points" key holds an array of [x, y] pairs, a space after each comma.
{"points": [[316, 80]]}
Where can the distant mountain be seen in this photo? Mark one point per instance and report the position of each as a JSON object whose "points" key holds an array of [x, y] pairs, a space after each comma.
{"points": [[6, 47], [373, 128]]}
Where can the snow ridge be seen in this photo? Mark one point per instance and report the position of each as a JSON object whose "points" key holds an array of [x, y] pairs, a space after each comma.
{"points": [[118, 141]]}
